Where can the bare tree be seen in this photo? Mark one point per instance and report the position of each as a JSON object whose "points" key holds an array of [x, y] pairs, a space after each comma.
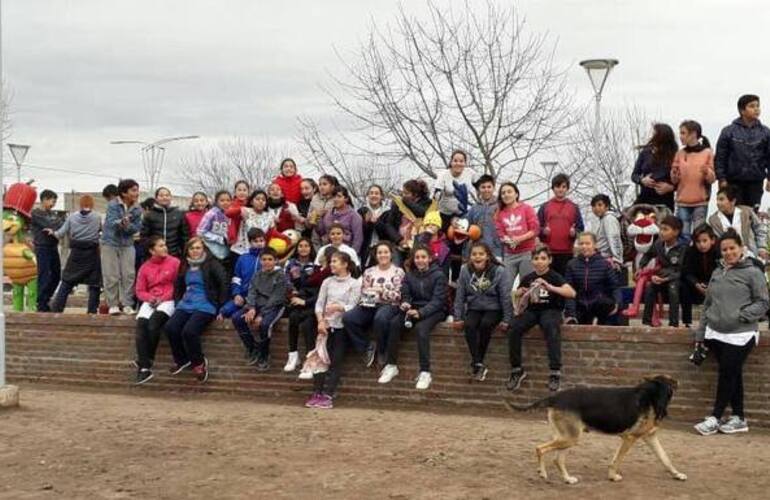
{"points": [[475, 79], [354, 170], [221, 165], [5, 113], [620, 134]]}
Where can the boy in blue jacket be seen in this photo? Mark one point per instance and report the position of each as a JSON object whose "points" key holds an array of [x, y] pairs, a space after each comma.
{"points": [[245, 267]]}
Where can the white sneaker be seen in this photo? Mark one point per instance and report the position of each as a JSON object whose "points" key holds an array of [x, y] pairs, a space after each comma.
{"points": [[128, 311], [114, 311], [708, 427], [449, 319], [423, 381], [305, 375], [388, 373], [292, 363]]}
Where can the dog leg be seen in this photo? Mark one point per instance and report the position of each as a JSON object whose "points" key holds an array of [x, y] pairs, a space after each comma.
{"points": [[654, 444], [541, 451], [561, 458], [625, 445]]}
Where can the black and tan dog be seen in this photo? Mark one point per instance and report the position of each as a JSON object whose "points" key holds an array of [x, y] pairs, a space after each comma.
{"points": [[631, 412]]}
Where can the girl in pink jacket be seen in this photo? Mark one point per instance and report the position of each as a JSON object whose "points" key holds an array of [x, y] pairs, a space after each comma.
{"points": [[517, 227], [692, 172], [155, 290]]}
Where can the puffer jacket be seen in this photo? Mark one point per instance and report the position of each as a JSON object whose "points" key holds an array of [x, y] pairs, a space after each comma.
{"points": [[592, 278], [425, 290], [168, 223], [743, 152]]}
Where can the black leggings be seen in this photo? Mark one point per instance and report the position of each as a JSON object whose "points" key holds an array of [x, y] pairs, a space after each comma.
{"points": [[147, 336], [302, 320], [730, 384], [336, 345], [479, 326]]}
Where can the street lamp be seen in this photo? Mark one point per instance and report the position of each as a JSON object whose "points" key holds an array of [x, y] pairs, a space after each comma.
{"points": [[153, 155], [18, 151], [598, 70]]}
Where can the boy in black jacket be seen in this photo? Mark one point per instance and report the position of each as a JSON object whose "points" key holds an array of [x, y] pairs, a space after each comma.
{"points": [[44, 223], [264, 307], [669, 254], [700, 260]]}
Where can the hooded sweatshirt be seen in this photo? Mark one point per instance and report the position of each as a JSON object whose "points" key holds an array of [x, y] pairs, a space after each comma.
{"points": [[425, 290], [267, 289], [81, 226], [489, 290], [349, 220], [482, 214], [516, 221], [736, 300], [693, 173], [156, 279], [335, 290], [559, 216]]}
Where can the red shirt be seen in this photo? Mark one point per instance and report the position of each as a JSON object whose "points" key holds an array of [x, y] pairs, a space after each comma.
{"points": [[193, 219], [559, 216], [290, 187]]}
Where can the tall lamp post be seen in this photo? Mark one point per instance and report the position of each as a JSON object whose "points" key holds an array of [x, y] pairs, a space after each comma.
{"points": [[153, 155], [9, 394], [19, 152], [598, 71]]}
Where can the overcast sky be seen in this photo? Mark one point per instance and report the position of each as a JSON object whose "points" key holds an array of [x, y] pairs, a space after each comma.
{"points": [[83, 73]]}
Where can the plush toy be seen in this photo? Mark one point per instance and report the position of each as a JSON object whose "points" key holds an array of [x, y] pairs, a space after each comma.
{"points": [[283, 243], [460, 230], [18, 258], [643, 230]]}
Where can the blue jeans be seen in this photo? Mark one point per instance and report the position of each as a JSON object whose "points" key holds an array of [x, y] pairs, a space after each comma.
{"points": [[691, 218], [359, 319]]}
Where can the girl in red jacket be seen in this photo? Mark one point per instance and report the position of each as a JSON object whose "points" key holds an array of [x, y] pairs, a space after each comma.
{"points": [[517, 226], [199, 205], [289, 181], [155, 289], [241, 193]]}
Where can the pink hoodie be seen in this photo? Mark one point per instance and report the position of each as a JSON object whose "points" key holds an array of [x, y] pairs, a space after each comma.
{"points": [[156, 279], [516, 221]]}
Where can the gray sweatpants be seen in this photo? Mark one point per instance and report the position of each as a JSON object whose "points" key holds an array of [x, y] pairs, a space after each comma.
{"points": [[118, 275], [518, 265]]}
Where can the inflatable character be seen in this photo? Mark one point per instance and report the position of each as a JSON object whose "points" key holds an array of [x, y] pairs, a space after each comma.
{"points": [[18, 257], [460, 230], [283, 243]]}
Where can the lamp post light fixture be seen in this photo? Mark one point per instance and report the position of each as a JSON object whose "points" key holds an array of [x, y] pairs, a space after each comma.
{"points": [[153, 155], [598, 71], [19, 152]]}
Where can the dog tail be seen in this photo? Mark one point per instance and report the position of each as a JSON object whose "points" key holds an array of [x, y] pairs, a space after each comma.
{"points": [[540, 403]]}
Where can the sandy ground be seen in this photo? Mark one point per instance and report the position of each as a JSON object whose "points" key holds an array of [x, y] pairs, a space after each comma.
{"points": [[63, 444]]}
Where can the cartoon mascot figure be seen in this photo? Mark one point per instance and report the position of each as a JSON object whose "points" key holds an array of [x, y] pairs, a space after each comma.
{"points": [[18, 257]]}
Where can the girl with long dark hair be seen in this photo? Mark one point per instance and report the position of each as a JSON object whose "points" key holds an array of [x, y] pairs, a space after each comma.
{"points": [[653, 168]]}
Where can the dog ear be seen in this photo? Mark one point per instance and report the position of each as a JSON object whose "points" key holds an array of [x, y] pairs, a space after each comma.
{"points": [[661, 398]]}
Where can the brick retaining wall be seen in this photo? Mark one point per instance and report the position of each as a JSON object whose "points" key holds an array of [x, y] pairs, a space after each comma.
{"points": [[96, 351]]}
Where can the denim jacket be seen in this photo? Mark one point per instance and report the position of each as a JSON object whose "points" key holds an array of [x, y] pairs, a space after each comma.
{"points": [[115, 234]]}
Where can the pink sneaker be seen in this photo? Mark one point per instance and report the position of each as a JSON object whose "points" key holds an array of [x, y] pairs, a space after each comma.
{"points": [[312, 401], [324, 402]]}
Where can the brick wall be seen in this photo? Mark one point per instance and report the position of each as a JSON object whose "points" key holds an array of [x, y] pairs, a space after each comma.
{"points": [[79, 350]]}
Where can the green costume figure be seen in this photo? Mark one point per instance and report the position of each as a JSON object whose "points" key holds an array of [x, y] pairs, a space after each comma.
{"points": [[19, 261]]}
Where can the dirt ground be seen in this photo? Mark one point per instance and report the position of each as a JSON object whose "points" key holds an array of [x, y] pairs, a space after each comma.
{"points": [[62, 444]]}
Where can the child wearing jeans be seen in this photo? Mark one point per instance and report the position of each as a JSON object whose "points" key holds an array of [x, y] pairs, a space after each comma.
{"points": [[264, 306], [338, 294]]}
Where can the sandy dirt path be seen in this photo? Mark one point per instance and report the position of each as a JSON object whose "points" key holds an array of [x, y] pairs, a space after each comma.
{"points": [[63, 444]]}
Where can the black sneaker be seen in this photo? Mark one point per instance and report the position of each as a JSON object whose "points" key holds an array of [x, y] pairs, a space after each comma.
{"points": [[515, 380], [177, 369], [480, 372], [554, 381], [263, 364], [143, 375], [369, 355], [253, 358]]}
